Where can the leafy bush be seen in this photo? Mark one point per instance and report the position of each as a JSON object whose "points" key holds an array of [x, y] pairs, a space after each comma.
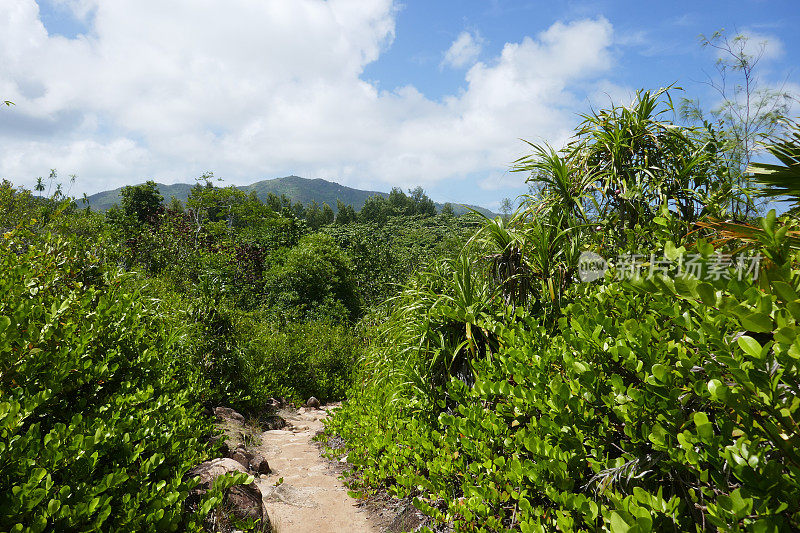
{"points": [[315, 281], [385, 255], [298, 360], [664, 404], [94, 429]]}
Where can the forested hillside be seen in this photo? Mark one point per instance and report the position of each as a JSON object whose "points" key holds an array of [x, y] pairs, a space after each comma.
{"points": [[293, 189]]}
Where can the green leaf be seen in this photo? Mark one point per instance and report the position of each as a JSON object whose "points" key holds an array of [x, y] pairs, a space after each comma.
{"points": [[769, 524], [786, 335], [768, 223], [704, 428], [618, 524], [750, 346], [705, 248], [707, 293], [208, 505], [53, 506], [671, 252], [661, 372], [4, 323], [717, 389], [785, 291], [757, 322]]}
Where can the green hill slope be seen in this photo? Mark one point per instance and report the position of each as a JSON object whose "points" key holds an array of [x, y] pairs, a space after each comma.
{"points": [[296, 188]]}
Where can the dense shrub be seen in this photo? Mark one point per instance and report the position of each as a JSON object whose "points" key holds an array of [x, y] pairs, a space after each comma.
{"points": [[667, 404], [298, 360], [95, 431], [315, 281], [385, 255]]}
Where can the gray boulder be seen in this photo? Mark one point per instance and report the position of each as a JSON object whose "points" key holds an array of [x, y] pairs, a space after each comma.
{"points": [[244, 502], [226, 413], [313, 403], [260, 465]]}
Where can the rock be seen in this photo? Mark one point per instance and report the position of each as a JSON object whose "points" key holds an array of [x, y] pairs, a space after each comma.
{"points": [[211, 470], [259, 464], [226, 413], [247, 503], [244, 451], [242, 501], [274, 422], [313, 402], [240, 458], [301, 411]]}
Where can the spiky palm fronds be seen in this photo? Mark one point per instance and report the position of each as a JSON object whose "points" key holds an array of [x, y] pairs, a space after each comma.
{"points": [[435, 329], [501, 242], [561, 181], [781, 179]]}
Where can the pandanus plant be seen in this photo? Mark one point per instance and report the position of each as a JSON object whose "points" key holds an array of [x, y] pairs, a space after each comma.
{"points": [[553, 248], [782, 179], [436, 328], [641, 160], [501, 243]]}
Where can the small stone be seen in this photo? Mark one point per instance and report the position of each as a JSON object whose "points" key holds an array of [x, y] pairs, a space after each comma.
{"points": [[260, 465], [223, 413], [244, 451], [313, 403], [240, 458]]}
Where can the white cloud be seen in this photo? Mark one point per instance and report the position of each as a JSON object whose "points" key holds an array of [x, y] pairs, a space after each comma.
{"points": [[464, 50], [253, 90], [753, 44], [768, 47], [608, 94]]}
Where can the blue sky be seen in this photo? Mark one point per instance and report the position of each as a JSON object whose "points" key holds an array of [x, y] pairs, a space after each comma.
{"points": [[369, 93]]}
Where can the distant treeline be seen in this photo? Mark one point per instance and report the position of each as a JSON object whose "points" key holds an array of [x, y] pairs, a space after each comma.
{"points": [[238, 208]]}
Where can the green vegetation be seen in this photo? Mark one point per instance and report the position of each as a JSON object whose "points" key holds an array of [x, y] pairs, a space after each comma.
{"points": [[118, 329], [96, 426], [502, 393]]}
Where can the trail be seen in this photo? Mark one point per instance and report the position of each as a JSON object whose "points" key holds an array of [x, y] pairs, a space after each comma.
{"points": [[310, 499]]}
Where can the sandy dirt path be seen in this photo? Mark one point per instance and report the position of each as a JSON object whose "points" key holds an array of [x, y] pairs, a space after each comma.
{"points": [[310, 499]]}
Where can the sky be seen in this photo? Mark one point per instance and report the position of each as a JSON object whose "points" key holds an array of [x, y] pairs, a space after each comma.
{"points": [[372, 94]]}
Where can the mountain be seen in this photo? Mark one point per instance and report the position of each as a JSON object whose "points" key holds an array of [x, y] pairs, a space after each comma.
{"points": [[297, 189]]}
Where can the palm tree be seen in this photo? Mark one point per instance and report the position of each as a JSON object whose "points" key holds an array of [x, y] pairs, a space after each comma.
{"points": [[558, 177]]}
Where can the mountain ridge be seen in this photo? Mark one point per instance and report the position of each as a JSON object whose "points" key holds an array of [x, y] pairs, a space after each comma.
{"points": [[297, 189]]}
